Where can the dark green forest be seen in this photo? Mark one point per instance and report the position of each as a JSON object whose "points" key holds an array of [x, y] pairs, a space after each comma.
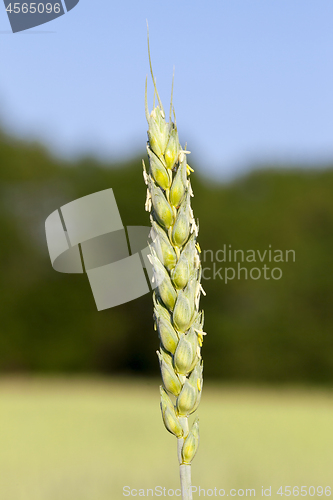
{"points": [[273, 329]]}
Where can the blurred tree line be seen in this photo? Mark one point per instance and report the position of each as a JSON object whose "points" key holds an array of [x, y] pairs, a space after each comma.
{"points": [[258, 329]]}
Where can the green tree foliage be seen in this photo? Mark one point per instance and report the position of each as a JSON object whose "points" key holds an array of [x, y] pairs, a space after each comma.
{"points": [[259, 330]]}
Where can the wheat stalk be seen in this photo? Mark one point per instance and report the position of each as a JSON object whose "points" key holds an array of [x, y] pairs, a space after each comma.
{"points": [[175, 258]]}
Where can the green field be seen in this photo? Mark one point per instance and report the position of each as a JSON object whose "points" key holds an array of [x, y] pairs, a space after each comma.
{"points": [[85, 439]]}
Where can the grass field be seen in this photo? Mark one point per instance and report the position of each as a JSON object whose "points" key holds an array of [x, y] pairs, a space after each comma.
{"points": [[85, 439]]}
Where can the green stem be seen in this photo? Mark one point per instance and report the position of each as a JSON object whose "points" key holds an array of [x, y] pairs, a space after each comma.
{"points": [[185, 481]]}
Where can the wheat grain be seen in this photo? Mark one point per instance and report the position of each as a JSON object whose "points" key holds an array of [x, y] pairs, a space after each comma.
{"points": [[175, 257]]}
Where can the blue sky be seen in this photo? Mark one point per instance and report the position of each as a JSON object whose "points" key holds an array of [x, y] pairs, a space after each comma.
{"points": [[253, 79]]}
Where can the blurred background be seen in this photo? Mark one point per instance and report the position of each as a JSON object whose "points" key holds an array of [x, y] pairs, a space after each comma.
{"points": [[79, 388]]}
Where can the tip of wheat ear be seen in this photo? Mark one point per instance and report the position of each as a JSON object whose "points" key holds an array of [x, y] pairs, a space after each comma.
{"points": [[175, 257]]}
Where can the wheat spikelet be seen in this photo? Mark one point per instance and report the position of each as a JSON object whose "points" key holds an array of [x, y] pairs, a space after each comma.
{"points": [[175, 257]]}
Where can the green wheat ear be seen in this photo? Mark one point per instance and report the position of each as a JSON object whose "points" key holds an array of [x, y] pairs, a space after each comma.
{"points": [[175, 257]]}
